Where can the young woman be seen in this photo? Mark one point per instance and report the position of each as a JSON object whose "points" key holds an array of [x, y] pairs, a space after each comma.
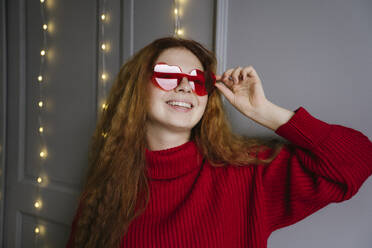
{"points": [[166, 170]]}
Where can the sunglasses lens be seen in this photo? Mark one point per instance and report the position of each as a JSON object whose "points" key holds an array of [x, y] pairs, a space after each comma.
{"points": [[166, 83]]}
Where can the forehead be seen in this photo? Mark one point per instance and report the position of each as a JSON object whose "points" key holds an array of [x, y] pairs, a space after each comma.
{"points": [[182, 57]]}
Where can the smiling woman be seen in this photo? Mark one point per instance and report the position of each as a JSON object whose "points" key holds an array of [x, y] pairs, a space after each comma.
{"points": [[171, 173]]}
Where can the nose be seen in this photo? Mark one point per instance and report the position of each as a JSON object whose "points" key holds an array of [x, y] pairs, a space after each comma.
{"points": [[184, 86]]}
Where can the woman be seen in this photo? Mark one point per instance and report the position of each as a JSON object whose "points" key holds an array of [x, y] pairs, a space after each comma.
{"points": [[168, 171]]}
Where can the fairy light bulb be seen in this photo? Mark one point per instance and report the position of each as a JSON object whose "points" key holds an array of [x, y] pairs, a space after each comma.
{"points": [[103, 17], [45, 27], [180, 31], [37, 204], [39, 180], [40, 78], [42, 52], [41, 1], [37, 230], [104, 106], [40, 103], [176, 11], [104, 76], [41, 129], [43, 154], [104, 134], [103, 46]]}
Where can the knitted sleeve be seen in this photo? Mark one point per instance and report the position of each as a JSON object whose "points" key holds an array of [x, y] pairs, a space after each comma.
{"points": [[323, 163]]}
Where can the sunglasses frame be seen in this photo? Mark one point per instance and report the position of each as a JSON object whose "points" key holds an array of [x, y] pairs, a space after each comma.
{"points": [[200, 88]]}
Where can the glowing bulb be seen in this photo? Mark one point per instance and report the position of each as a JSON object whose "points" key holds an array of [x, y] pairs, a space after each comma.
{"points": [[42, 52], [43, 154], [45, 27], [103, 46], [41, 1], [40, 78], [176, 11], [41, 129], [41, 104], [39, 180], [103, 17], [37, 230], [37, 204], [104, 76], [104, 135], [104, 106], [179, 31]]}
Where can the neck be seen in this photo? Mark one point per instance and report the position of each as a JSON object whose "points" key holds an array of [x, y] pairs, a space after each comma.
{"points": [[160, 138]]}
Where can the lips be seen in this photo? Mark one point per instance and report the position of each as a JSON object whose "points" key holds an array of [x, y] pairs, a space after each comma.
{"points": [[180, 103]]}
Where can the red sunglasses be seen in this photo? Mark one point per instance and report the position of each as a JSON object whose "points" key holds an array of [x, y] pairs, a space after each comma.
{"points": [[168, 77]]}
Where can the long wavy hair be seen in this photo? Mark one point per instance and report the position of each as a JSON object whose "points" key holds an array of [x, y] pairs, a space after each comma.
{"points": [[116, 188]]}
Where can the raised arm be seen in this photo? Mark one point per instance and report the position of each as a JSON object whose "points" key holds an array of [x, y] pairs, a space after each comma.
{"points": [[324, 163]]}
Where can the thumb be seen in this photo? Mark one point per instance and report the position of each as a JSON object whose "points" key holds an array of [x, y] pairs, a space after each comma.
{"points": [[225, 91]]}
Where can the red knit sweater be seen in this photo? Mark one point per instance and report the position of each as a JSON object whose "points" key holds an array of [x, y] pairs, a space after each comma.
{"points": [[193, 204]]}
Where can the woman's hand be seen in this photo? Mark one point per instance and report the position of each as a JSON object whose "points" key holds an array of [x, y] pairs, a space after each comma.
{"points": [[243, 89]]}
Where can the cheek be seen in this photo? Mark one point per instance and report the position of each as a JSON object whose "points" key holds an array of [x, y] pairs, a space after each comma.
{"points": [[155, 94], [203, 103]]}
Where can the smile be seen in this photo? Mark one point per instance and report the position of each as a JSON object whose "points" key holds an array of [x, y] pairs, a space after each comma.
{"points": [[180, 105]]}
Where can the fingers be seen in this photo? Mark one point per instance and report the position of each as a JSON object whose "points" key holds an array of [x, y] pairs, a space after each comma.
{"points": [[237, 75], [250, 72]]}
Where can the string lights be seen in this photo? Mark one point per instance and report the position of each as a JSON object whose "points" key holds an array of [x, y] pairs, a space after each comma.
{"points": [[40, 180], [104, 47], [178, 31]]}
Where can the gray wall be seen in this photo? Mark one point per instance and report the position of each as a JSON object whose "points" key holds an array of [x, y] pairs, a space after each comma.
{"points": [[316, 54]]}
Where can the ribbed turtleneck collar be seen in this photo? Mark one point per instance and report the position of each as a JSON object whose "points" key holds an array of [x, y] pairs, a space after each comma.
{"points": [[173, 162]]}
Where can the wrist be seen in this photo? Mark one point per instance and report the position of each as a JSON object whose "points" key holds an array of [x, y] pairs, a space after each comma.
{"points": [[272, 116]]}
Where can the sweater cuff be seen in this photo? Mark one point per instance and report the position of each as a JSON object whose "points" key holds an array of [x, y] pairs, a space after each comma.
{"points": [[304, 130]]}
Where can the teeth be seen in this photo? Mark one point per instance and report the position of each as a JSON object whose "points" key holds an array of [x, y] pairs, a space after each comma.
{"points": [[182, 104]]}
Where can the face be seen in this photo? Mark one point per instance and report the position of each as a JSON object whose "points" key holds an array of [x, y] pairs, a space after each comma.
{"points": [[171, 109]]}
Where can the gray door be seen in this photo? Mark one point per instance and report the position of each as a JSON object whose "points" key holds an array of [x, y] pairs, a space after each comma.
{"points": [[71, 94]]}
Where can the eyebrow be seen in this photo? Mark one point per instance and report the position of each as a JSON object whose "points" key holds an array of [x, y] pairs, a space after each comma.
{"points": [[179, 67]]}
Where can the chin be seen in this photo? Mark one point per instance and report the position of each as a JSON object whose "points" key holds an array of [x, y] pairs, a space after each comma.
{"points": [[180, 127]]}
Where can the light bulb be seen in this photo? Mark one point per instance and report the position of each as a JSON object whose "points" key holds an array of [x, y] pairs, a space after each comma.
{"points": [[104, 106], [104, 135], [37, 230], [41, 1], [41, 104], [43, 154], [104, 76], [41, 129], [37, 204], [103, 46], [45, 27], [39, 180], [103, 17], [179, 31], [176, 11], [40, 78], [42, 52]]}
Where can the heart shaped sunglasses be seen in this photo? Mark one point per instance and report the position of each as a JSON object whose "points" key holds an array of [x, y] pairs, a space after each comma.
{"points": [[168, 77]]}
